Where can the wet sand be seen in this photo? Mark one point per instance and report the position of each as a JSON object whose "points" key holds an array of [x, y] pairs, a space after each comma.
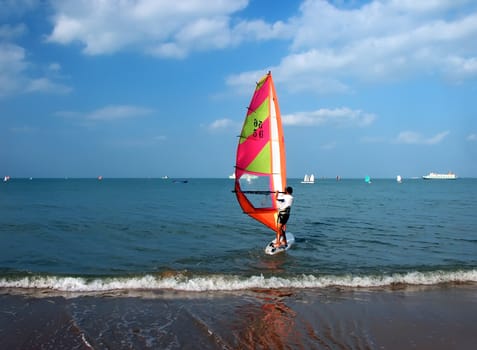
{"points": [[439, 317]]}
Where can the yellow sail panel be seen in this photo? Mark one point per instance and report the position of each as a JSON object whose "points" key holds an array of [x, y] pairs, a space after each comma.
{"points": [[261, 163]]}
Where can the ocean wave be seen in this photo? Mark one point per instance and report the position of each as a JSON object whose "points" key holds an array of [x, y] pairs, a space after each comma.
{"points": [[181, 282]]}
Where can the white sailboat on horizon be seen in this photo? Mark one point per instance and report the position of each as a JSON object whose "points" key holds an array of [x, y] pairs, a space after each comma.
{"points": [[308, 179]]}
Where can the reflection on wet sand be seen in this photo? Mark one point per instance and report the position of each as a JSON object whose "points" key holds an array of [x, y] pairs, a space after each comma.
{"points": [[269, 322], [269, 325]]}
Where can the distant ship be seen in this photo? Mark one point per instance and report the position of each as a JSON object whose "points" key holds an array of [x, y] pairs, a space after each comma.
{"points": [[308, 179], [436, 176], [247, 177]]}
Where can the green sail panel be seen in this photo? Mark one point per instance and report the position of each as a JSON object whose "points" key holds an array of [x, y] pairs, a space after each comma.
{"points": [[258, 116], [261, 163]]}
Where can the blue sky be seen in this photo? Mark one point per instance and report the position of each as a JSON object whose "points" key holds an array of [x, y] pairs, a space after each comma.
{"points": [[150, 88]]}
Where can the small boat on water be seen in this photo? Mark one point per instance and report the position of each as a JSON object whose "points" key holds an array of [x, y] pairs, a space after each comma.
{"points": [[399, 179], [308, 179], [246, 177], [437, 176]]}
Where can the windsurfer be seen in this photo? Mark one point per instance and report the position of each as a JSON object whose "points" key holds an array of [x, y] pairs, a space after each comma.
{"points": [[284, 203]]}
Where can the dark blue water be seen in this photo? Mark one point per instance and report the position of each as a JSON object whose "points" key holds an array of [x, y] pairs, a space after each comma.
{"points": [[85, 234]]}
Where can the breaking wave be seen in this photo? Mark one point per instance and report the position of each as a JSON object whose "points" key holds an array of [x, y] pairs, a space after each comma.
{"points": [[181, 282]]}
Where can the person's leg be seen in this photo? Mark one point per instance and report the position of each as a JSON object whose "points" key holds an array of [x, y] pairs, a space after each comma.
{"points": [[278, 235], [283, 239]]}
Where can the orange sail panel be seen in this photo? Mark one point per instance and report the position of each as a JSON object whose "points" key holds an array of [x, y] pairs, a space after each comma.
{"points": [[260, 168]]}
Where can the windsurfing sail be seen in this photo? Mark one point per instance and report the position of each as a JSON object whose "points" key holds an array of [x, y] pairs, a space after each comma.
{"points": [[260, 168]]}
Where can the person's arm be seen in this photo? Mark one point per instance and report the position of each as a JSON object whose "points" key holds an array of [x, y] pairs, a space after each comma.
{"points": [[280, 200]]}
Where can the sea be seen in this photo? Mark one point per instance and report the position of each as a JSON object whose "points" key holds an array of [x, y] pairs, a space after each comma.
{"points": [[86, 235], [175, 264]]}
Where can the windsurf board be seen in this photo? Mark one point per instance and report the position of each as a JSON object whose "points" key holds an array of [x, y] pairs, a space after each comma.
{"points": [[271, 250]]}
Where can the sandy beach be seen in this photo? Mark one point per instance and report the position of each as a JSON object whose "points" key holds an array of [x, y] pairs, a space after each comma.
{"points": [[439, 317]]}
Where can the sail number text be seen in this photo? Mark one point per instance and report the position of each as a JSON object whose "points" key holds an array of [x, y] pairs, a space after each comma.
{"points": [[258, 128]]}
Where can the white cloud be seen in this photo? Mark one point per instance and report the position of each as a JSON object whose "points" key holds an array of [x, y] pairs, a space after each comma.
{"points": [[16, 76], [472, 137], [10, 32], [14, 8], [168, 50], [373, 139], [23, 129], [332, 47], [412, 137], [107, 113], [460, 68], [244, 82], [329, 45], [224, 124], [12, 68], [164, 28], [46, 85], [160, 138], [116, 112], [54, 67], [328, 146], [343, 117]]}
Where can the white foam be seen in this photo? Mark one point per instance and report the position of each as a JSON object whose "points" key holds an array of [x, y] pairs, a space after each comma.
{"points": [[232, 282]]}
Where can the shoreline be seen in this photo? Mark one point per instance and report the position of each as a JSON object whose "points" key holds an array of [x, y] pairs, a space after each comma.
{"points": [[196, 282], [398, 317]]}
